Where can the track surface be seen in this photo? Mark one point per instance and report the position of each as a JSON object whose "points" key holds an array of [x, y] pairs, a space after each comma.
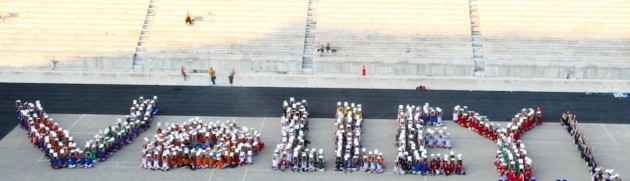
{"points": [[266, 102]]}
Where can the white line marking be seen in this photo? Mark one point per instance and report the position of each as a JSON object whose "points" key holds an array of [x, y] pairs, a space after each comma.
{"points": [[245, 175], [425, 178], [211, 173], [262, 126], [75, 123], [81, 132], [40, 158], [624, 127], [609, 135], [114, 166], [259, 170], [532, 142]]}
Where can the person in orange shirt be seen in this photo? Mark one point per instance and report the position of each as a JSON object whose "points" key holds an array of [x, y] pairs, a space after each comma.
{"points": [[198, 162], [204, 161], [172, 160], [186, 161], [219, 161], [180, 160], [211, 161]]}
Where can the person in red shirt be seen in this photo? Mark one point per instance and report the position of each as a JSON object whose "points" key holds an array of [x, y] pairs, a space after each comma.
{"points": [[459, 167], [235, 161], [363, 71], [433, 165], [501, 169], [520, 176], [539, 115], [511, 176], [446, 167], [283, 164], [528, 172]]}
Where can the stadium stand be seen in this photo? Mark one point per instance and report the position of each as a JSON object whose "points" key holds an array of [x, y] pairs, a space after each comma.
{"points": [[408, 37], [247, 35], [556, 39], [79, 35]]}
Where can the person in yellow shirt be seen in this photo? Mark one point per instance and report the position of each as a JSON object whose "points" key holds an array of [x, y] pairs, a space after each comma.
{"points": [[213, 75]]}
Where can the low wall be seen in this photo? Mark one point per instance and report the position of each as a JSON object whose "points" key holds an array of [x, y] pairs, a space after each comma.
{"points": [[284, 64], [558, 70], [319, 81], [396, 67]]}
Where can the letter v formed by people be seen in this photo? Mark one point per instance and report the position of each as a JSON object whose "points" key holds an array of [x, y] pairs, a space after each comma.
{"points": [[511, 154], [59, 147]]}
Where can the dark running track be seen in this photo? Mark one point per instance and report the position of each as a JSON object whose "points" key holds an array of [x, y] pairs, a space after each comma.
{"points": [[259, 102]]}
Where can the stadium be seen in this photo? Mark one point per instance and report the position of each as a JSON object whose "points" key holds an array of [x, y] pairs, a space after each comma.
{"points": [[344, 89]]}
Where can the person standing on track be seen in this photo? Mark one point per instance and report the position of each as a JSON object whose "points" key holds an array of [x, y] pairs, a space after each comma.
{"points": [[213, 75], [363, 71], [183, 71], [231, 76]]}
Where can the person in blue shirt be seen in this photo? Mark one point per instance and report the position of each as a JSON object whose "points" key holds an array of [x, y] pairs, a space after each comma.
{"points": [[432, 118], [62, 160], [89, 163], [346, 165], [73, 160], [54, 161], [417, 167], [424, 166]]}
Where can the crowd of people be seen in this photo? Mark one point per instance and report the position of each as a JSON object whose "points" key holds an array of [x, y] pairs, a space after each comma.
{"points": [[570, 123], [412, 142], [194, 144], [524, 121], [511, 158], [350, 154], [292, 151], [424, 115], [45, 134], [123, 132], [61, 150]]}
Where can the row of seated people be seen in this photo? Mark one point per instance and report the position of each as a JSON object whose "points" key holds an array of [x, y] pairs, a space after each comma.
{"points": [[123, 132], [351, 155], [569, 121], [424, 115], [197, 145], [412, 143], [44, 133], [291, 152], [325, 49], [438, 165]]}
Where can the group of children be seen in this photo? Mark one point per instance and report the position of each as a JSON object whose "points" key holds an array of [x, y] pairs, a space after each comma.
{"points": [[198, 145], [511, 158], [412, 142], [570, 123], [291, 152], [350, 154], [61, 150]]}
